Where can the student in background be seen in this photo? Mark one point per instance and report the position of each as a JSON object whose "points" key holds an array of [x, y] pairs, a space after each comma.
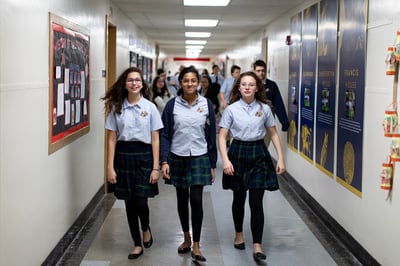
{"points": [[160, 93], [227, 86], [172, 83], [133, 124], [210, 91], [273, 94], [215, 76], [248, 165]]}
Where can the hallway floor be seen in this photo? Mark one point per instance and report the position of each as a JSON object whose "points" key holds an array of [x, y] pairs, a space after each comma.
{"points": [[292, 234]]}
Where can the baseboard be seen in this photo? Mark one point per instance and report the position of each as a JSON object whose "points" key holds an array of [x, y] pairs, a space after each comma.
{"points": [[343, 248], [73, 232]]}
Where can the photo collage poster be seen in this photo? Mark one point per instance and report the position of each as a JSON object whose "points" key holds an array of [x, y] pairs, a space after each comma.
{"points": [[352, 54], [326, 88], [307, 96]]}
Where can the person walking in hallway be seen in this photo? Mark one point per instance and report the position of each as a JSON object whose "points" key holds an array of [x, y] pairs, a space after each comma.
{"points": [[189, 154], [248, 165], [210, 91], [273, 94], [216, 77], [227, 86], [160, 93], [133, 123]]}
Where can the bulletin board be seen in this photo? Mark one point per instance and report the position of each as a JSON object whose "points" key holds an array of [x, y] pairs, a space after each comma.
{"points": [[69, 116]]}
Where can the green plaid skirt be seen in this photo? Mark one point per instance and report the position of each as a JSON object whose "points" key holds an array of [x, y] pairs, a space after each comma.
{"points": [[133, 163], [253, 167], [187, 171]]}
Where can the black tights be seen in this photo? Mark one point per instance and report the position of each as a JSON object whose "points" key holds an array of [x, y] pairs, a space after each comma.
{"points": [[196, 203], [256, 208], [137, 208]]}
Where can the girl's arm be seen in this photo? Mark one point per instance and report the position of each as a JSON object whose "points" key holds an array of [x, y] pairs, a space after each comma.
{"points": [[111, 143], [155, 147], [280, 165]]}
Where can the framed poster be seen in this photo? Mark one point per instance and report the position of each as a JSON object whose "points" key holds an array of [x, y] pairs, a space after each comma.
{"points": [[69, 116], [132, 59], [352, 46], [294, 81]]}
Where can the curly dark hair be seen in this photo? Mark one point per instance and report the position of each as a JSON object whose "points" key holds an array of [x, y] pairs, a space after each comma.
{"points": [[117, 93]]}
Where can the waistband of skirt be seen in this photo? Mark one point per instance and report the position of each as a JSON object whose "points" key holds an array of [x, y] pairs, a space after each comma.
{"points": [[241, 142], [132, 144]]}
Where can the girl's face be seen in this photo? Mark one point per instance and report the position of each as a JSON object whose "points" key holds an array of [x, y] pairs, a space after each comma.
{"points": [[248, 88], [160, 84], [189, 83], [133, 83], [204, 83]]}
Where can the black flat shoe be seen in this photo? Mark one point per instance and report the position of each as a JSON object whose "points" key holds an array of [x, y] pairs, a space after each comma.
{"points": [[182, 250], [259, 256], [239, 246], [198, 257], [150, 242], [134, 256]]}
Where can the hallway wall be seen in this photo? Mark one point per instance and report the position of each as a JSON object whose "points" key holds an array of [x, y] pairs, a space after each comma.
{"points": [[371, 220], [41, 195]]}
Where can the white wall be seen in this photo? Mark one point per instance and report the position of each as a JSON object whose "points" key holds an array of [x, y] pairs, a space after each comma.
{"points": [[371, 220], [41, 195]]}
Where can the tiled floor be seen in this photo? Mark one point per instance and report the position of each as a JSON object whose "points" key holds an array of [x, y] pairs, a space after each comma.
{"points": [[290, 236]]}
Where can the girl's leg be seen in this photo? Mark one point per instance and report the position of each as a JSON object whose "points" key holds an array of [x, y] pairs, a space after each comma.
{"points": [[133, 221], [144, 216], [257, 217], [182, 195], [238, 207], [196, 203]]}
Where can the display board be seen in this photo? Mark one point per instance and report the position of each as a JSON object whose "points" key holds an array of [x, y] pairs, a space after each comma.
{"points": [[69, 116]]}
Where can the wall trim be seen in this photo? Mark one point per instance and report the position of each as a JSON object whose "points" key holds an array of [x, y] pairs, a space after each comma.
{"points": [[79, 230], [343, 248]]}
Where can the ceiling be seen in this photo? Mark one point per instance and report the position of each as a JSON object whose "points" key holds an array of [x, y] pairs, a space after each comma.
{"points": [[163, 21]]}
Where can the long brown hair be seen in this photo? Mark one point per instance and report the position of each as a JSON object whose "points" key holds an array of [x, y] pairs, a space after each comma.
{"points": [[117, 93], [259, 95], [154, 89]]}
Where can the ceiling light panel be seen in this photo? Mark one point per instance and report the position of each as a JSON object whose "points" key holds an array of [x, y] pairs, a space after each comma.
{"points": [[196, 42], [192, 47], [206, 2], [197, 34], [201, 22]]}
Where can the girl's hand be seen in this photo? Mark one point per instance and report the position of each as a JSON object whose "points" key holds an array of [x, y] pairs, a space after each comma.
{"points": [[111, 176], [280, 167], [228, 168], [165, 171], [154, 176]]}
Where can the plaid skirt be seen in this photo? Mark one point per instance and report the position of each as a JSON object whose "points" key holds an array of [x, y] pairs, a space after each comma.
{"points": [[187, 171], [253, 167], [133, 163]]}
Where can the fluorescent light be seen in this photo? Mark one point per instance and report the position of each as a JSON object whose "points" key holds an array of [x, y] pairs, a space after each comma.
{"points": [[198, 34], [201, 22], [206, 2], [193, 50], [195, 42], [192, 47]]}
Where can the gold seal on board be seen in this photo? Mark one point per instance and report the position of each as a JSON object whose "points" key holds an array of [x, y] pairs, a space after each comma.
{"points": [[348, 162]]}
